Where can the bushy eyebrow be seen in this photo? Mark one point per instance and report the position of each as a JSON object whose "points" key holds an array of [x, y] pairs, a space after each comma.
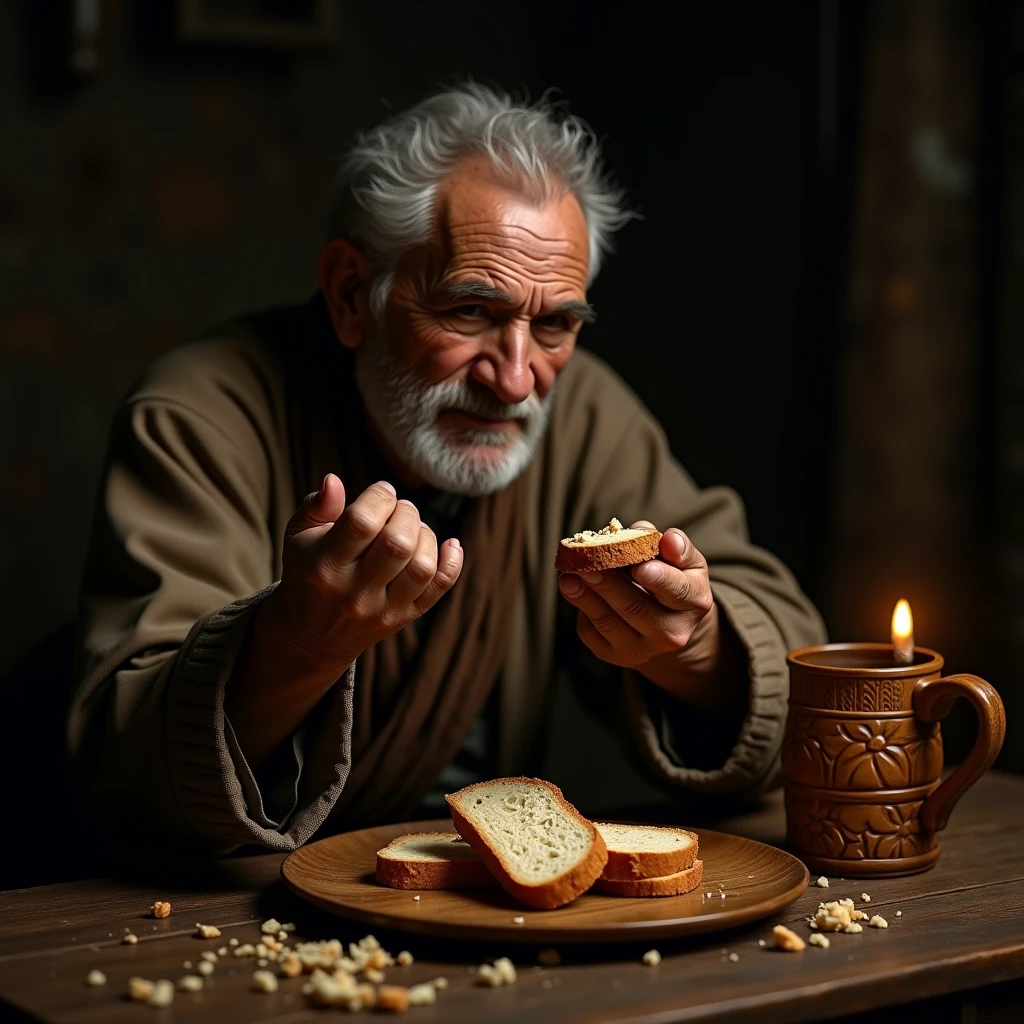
{"points": [[475, 290], [463, 290], [577, 310]]}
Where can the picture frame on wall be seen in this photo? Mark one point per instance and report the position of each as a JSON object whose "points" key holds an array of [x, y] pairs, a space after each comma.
{"points": [[267, 24]]}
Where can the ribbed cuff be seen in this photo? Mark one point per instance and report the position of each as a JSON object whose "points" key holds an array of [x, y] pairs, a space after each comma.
{"points": [[752, 765], [212, 782]]}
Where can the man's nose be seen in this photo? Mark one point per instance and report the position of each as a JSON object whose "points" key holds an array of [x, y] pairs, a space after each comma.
{"points": [[506, 368]]}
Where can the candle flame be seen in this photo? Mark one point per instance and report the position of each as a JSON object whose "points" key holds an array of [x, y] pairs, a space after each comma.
{"points": [[902, 622]]}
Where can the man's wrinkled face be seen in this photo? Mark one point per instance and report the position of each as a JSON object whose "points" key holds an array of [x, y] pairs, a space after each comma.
{"points": [[459, 375]]}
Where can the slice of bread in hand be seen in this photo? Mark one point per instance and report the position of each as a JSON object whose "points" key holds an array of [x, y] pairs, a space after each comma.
{"points": [[538, 846], [432, 860], [612, 547], [667, 885], [646, 851]]}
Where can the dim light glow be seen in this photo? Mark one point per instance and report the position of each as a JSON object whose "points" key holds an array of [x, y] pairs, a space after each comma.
{"points": [[902, 634], [902, 622]]}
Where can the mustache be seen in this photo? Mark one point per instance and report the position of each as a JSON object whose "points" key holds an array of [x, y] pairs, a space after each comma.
{"points": [[460, 396]]}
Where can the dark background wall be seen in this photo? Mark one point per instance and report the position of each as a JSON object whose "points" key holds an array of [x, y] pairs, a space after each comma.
{"points": [[819, 302]]}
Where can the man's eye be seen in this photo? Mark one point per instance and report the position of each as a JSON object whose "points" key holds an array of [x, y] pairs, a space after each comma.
{"points": [[470, 311], [554, 321]]}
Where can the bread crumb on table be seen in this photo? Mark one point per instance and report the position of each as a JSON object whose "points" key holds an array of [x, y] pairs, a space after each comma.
{"points": [[160, 909], [549, 957], [422, 995], [761, 942], [502, 972], [205, 968], [416, 899], [162, 994], [652, 958], [187, 965], [95, 978], [290, 965], [878, 922], [232, 941], [519, 919], [734, 957], [139, 989], [899, 913], [817, 939], [130, 939], [207, 931], [209, 956], [787, 940], [506, 970], [393, 999], [404, 958], [821, 881], [440, 983], [190, 983], [264, 981], [838, 916], [271, 926], [865, 898]]}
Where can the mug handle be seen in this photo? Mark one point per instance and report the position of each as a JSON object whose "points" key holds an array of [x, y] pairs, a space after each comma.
{"points": [[933, 699]]}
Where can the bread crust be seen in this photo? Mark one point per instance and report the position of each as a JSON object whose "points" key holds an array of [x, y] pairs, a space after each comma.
{"points": [[623, 866], [555, 893], [615, 554], [668, 885], [398, 872]]}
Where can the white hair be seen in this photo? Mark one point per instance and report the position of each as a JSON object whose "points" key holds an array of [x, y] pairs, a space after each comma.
{"points": [[389, 178]]}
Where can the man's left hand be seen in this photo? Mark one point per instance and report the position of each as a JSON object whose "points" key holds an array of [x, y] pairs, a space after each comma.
{"points": [[663, 623]]}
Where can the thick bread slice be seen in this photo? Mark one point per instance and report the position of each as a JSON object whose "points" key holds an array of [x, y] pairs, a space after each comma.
{"points": [[646, 851], [432, 860], [667, 885], [537, 845], [610, 548]]}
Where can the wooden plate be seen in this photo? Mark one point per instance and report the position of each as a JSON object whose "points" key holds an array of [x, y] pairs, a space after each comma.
{"points": [[337, 874]]}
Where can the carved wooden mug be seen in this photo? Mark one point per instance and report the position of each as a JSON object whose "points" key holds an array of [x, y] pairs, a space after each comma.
{"points": [[862, 757]]}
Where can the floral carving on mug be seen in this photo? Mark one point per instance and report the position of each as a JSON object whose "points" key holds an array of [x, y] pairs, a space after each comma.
{"points": [[868, 754], [813, 826], [856, 831]]}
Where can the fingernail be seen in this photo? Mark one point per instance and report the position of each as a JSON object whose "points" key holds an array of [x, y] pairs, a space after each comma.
{"points": [[571, 586], [454, 541], [590, 577], [387, 487], [323, 486]]}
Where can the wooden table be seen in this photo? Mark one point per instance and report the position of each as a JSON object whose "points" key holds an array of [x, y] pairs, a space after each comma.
{"points": [[955, 954]]}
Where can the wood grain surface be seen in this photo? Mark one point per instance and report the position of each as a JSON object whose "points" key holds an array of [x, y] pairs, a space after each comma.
{"points": [[743, 881], [960, 937]]}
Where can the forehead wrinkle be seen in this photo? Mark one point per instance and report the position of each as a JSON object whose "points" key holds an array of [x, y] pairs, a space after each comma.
{"points": [[529, 256], [486, 227]]}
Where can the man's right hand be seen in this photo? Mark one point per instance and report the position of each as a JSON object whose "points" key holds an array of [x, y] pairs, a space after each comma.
{"points": [[351, 576], [354, 575]]}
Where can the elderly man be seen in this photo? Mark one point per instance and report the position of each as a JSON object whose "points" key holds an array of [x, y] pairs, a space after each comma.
{"points": [[321, 584]]}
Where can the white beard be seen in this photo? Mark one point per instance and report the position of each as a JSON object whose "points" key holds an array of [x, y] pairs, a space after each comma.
{"points": [[405, 411]]}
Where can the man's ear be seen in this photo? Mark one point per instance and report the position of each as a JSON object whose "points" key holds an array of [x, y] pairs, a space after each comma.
{"points": [[345, 281]]}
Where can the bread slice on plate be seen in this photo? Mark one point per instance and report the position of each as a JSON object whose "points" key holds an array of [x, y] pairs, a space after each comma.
{"points": [[432, 860], [611, 547], [537, 845], [646, 851], [667, 885]]}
